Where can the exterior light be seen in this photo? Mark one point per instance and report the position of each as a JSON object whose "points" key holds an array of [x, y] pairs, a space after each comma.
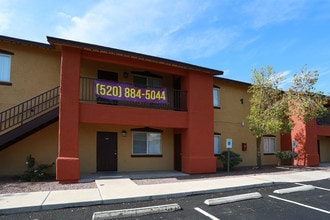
{"points": [[123, 133]]}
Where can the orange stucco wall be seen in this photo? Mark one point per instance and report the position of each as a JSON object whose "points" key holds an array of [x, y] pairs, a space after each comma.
{"points": [[88, 148], [33, 71], [41, 145], [230, 121]]}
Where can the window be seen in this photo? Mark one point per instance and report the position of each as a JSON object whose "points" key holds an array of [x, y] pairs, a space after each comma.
{"points": [[216, 97], [147, 143], [216, 144], [5, 61], [144, 81], [269, 144]]}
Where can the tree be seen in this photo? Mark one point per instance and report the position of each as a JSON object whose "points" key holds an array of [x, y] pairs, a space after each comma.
{"points": [[271, 108]]}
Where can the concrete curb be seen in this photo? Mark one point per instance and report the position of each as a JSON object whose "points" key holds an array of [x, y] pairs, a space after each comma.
{"points": [[294, 189], [230, 199], [44, 207], [39, 208], [135, 212]]}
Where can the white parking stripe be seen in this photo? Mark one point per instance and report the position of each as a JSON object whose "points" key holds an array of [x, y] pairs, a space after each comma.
{"points": [[300, 204], [206, 214], [316, 187]]}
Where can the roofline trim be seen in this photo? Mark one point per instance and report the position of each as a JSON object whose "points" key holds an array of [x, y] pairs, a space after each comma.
{"points": [[53, 41], [233, 81], [25, 42]]}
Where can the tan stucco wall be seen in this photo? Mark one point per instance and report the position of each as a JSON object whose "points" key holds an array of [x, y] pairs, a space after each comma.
{"points": [[324, 149], [229, 120], [33, 71], [41, 145], [87, 150]]}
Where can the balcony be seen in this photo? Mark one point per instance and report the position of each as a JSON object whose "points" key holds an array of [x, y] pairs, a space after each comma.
{"points": [[175, 99], [324, 120]]}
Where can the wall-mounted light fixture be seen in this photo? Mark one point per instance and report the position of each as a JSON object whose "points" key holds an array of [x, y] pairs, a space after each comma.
{"points": [[123, 133], [242, 100], [125, 74], [243, 123]]}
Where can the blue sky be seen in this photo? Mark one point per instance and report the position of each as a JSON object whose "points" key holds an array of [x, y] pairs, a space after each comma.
{"points": [[230, 35]]}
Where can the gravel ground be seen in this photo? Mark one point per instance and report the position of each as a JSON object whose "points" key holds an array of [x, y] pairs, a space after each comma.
{"points": [[9, 185]]}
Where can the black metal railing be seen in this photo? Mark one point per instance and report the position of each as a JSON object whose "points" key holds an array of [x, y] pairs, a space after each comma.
{"points": [[324, 120], [27, 110], [176, 99]]}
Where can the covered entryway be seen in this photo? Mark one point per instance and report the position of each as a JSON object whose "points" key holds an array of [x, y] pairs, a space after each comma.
{"points": [[106, 151]]}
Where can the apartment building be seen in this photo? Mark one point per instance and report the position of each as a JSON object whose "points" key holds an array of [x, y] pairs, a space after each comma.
{"points": [[92, 108]]}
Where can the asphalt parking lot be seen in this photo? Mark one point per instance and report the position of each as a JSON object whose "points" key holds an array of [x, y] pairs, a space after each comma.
{"points": [[311, 204]]}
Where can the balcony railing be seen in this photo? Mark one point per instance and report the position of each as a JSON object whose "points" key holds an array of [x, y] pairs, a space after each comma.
{"points": [[176, 99], [324, 120]]}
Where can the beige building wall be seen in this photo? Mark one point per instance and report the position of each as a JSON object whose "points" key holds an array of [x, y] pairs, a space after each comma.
{"points": [[231, 122], [324, 149], [87, 150], [41, 145], [34, 70]]}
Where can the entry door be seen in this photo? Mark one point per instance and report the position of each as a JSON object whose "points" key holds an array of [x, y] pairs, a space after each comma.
{"points": [[177, 152], [106, 151]]}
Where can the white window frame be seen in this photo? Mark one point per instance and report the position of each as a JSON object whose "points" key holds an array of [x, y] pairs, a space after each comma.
{"points": [[217, 144], [216, 97], [149, 149], [269, 144], [5, 67]]}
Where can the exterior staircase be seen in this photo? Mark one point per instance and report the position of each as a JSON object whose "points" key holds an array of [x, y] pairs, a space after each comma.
{"points": [[28, 117]]}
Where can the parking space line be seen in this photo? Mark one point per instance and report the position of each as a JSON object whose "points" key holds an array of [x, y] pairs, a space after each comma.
{"points": [[206, 214], [316, 187], [300, 204]]}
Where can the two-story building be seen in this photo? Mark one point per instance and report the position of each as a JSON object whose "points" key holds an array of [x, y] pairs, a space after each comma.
{"points": [[93, 108]]}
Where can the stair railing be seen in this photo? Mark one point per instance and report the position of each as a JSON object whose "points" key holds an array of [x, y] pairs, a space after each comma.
{"points": [[29, 109]]}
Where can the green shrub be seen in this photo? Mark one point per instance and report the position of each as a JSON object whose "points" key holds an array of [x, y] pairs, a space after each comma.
{"points": [[235, 159], [34, 173], [284, 156]]}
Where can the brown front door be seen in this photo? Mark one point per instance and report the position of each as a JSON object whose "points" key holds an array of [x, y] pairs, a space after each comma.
{"points": [[177, 152], [106, 151]]}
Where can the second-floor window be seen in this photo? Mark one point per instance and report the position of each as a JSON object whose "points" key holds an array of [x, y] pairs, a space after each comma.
{"points": [[5, 63], [147, 81], [216, 97]]}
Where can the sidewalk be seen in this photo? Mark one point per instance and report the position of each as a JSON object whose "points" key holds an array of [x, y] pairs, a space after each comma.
{"points": [[123, 189]]}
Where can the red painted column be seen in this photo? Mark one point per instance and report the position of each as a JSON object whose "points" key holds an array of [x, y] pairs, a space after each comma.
{"points": [[67, 163], [198, 138], [312, 156], [306, 138]]}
